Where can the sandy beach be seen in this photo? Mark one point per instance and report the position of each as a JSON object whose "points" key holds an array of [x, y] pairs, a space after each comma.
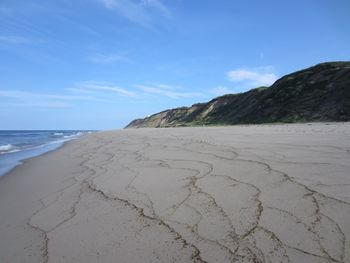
{"points": [[269, 193]]}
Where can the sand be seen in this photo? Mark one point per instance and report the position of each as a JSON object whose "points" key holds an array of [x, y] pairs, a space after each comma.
{"points": [[269, 193]]}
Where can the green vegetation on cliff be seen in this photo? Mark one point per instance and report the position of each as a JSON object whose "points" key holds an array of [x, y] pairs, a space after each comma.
{"points": [[319, 93]]}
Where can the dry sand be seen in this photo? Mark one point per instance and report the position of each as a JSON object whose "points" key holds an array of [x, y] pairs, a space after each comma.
{"points": [[270, 193]]}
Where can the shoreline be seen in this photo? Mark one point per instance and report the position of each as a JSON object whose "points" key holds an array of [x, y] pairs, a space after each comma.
{"points": [[28, 154], [29, 159], [212, 194]]}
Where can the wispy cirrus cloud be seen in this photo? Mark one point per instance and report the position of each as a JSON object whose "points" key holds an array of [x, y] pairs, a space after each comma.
{"points": [[254, 77], [37, 99], [139, 91], [172, 92], [24, 95], [92, 92], [109, 58], [140, 12], [37, 105], [86, 92], [101, 86], [17, 40]]}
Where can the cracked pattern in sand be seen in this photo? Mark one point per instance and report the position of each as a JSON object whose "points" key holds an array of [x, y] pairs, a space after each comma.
{"points": [[200, 198]]}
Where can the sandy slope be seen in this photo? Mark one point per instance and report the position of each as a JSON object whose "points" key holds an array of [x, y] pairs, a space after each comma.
{"points": [[276, 193]]}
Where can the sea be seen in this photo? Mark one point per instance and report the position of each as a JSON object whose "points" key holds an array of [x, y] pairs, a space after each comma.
{"points": [[16, 146]]}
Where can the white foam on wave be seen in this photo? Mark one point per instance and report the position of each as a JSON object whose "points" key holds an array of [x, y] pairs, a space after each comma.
{"points": [[69, 136], [73, 135], [7, 148]]}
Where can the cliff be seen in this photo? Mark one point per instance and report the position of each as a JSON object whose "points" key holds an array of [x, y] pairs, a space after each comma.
{"points": [[318, 93]]}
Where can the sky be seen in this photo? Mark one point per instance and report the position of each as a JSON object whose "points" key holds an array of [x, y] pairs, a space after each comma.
{"points": [[98, 64]]}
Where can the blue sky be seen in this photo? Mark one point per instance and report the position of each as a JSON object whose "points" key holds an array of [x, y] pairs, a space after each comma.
{"points": [[98, 64]]}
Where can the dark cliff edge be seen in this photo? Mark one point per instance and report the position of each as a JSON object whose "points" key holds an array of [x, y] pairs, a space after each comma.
{"points": [[319, 93]]}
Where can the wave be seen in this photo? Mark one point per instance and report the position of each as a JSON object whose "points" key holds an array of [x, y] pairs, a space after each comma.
{"points": [[73, 135], [7, 148], [69, 136]]}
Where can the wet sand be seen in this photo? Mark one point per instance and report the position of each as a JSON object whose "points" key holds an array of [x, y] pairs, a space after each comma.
{"points": [[269, 193]]}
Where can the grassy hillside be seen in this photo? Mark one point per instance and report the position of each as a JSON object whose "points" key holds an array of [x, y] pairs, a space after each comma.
{"points": [[319, 93]]}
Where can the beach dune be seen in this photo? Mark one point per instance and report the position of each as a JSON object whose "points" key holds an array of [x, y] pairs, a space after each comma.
{"points": [[268, 193]]}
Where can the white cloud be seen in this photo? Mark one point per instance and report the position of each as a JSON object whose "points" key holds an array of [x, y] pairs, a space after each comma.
{"points": [[167, 87], [95, 93], [81, 91], [32, 99], [252, 77], [139, 12], [97, 88], [104, 86], [167, 91], [37, 105], [109, 58], [116, 89], [158, 5], [24, 95]]}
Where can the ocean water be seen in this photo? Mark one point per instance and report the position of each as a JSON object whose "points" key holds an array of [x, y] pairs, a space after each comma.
{"points": [[16, 146]]}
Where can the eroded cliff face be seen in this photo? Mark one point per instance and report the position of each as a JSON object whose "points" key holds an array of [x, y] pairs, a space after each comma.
{"points": [[318, 93]]}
